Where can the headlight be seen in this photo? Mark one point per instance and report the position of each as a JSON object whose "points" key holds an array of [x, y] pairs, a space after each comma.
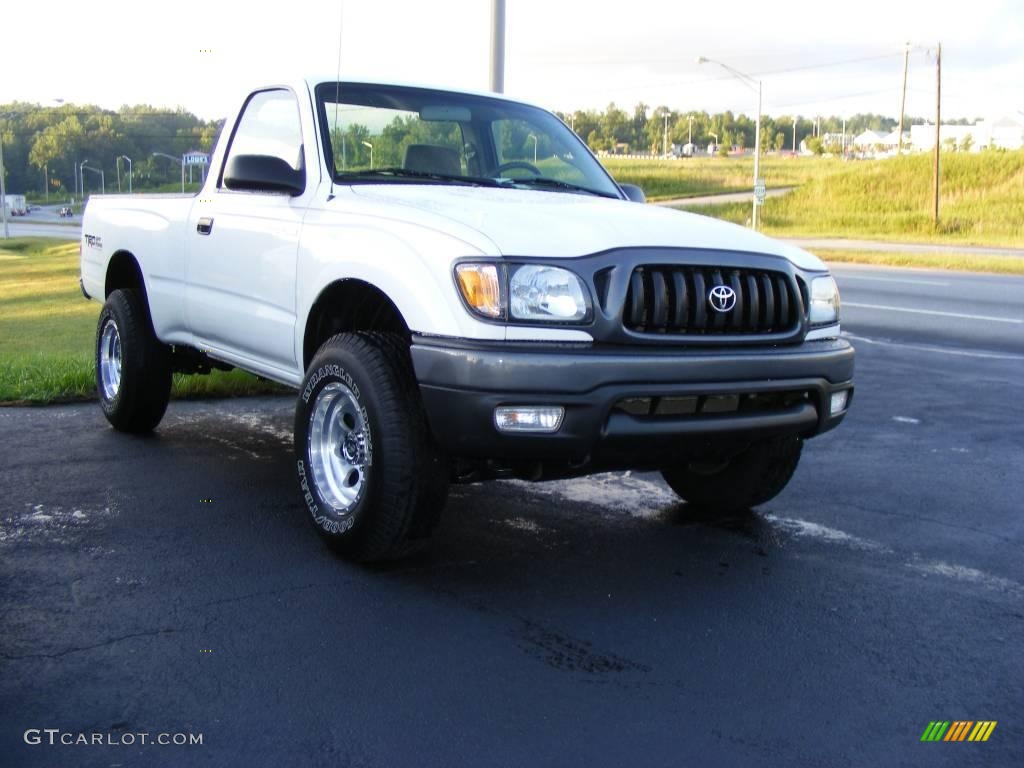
{"points": [[540, 292], [824, 301], [527, 292]]}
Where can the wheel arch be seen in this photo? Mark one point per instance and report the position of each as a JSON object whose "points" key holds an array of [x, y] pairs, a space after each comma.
{"points": [[349, 304], [125, 273]]}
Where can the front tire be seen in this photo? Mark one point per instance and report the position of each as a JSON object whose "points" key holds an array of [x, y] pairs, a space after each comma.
{"points": [[133, 369], [373, 480], [752, 477]]}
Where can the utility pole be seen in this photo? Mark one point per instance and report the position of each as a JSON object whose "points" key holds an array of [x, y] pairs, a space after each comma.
{"points": [[3, 191], [689, 137], [903, 99], [795, 119], [498, 46], [938, 129], [664, 139]]}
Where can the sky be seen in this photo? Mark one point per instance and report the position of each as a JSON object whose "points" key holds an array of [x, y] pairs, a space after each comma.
{"points": [[812, 57]]}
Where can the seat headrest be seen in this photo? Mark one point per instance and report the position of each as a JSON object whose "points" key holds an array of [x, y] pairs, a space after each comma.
{"points": [[432, 158]]}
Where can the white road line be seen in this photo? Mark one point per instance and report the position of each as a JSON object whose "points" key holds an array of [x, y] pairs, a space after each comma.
{"points": [[851, 276], [986, 318], [939, 350]]}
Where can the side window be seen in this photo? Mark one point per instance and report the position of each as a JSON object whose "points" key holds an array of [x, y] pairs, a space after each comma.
{"points": [[270, 126]]}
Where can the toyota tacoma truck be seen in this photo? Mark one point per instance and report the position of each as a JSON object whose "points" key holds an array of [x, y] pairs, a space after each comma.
{"points": [[459, 291]]}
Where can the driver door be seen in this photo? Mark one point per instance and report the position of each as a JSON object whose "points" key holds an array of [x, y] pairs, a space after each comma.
{"points": [[242, 256]]}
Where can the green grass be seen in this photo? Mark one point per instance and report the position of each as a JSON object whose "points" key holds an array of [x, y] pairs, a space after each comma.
{"points": [[693, 177], [47, 331], [959, 262], [981, 201]]}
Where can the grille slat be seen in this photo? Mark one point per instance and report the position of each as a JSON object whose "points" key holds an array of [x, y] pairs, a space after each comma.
{"points": [[753, 303], [659, 308], [735, 317], [700, 302], [783, 297], [673, 299], [681, 299], [768, 317], [636, 304]]}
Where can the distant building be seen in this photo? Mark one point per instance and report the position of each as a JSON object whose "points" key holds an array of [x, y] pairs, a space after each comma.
{"points": [[1006, 132], [878, 144], [869, 140]]}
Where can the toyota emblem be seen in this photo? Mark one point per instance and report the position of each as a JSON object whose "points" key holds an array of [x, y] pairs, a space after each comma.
{"points": [[722, 298]]}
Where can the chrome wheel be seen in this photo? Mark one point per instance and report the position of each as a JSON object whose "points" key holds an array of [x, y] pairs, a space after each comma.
{"points": [[339, 448], [110, 360]]}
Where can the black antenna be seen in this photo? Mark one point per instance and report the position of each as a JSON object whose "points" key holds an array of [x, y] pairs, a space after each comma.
{"points": [[337, 92]]}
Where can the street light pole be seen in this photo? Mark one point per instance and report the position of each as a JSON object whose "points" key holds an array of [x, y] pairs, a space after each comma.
{"points": [[715, 137], [689, 138], [534, 137], [757, 156], [754, 84], [129, 172], [664, 139], [81, 177], [368, 144], [103, 181]]}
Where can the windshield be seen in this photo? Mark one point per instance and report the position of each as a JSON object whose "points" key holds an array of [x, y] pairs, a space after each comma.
{"points": [[397, 134]]}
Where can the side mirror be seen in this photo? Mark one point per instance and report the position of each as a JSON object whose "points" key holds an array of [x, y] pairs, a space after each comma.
{"points": [[633, 192], [263, 173]]}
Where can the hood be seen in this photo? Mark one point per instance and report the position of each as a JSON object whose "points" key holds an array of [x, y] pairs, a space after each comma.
{"points": [[557, 224]]}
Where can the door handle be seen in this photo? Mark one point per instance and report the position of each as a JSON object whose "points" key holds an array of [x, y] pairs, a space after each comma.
{"points": [[205, 226]]}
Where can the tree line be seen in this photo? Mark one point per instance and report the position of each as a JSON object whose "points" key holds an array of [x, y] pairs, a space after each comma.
{"points": [[43, 146], [646, 130]]}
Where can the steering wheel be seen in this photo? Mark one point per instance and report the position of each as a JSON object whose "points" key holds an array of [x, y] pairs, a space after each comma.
{"points": [[521, 164]]}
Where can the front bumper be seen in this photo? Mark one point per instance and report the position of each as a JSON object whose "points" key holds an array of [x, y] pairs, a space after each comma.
{"points": [[462, 382]]}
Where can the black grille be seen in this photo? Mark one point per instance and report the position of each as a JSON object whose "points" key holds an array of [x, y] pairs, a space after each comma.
{"points": [[674, 299]]}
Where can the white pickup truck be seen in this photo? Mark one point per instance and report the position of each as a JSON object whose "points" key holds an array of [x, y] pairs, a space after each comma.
{"points": [[459, 291]]}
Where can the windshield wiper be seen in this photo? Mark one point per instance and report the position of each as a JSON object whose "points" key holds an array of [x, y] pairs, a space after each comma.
{"points": [[406, 173], [546, 181]]}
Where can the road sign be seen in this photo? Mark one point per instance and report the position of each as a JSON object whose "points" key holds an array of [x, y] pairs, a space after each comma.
{"points": [[759, 191], [196, 158]]}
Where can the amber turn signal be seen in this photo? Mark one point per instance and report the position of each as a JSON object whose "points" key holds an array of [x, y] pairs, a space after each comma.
{"points": [[480, 288]]}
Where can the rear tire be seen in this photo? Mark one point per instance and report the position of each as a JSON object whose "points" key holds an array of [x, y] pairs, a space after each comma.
{"points": [[372, 478], [133, 369], [752, 477]]}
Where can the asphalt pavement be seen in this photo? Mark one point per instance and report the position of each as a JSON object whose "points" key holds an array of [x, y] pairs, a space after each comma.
{"points": [[171, 584]]}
